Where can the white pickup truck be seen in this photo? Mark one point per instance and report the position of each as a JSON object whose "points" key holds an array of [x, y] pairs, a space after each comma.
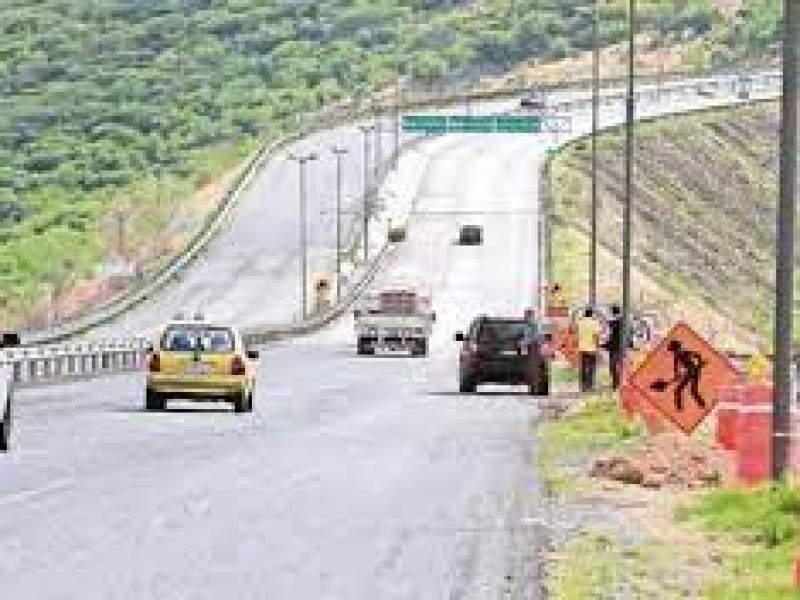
{"points": [[394, 319]]}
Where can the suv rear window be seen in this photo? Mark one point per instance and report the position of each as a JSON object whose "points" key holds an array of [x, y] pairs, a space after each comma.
{"points": [[501, 332], [197, 338]]}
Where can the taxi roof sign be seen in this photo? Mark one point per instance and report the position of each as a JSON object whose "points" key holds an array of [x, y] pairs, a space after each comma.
{"points": [[682, 375]]}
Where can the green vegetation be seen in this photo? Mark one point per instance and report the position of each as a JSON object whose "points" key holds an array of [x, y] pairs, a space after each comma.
{"points": [[598, 565], [597, 425], [758, 530], [103, 99]]}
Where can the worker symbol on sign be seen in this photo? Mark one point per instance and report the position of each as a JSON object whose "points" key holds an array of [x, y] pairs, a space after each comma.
{"points": [[688, 371]]}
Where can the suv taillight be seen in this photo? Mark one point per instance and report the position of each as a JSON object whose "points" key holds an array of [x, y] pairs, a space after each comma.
{"points": [[154, 363], [237, 366]]}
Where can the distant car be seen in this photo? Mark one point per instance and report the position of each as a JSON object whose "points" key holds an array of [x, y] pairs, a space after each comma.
{"points": [[706, 91], [470, 235], [396, 235], [200, 361], [492, 352], [532, 103]]}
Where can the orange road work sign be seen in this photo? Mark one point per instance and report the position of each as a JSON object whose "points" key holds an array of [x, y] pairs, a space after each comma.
{"points": [[682, 375]]}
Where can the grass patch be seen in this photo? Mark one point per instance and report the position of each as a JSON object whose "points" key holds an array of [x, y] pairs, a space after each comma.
{"points": [[594, 427], [597, 565], [597, 425], [758, 534]]}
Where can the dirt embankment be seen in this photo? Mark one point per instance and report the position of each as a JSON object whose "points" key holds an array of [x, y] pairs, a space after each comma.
{"points": [[704, 215]]}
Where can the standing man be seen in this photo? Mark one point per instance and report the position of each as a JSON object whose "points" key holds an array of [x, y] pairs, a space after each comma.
{"points": [[613, 345], [588, 344]]}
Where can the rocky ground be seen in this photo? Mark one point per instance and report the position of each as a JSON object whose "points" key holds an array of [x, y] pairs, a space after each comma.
{"points": [[611, 501]]}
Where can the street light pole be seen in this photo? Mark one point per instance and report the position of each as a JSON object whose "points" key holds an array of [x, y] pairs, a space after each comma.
{"points": [[595, 127], [121, 218], [365, 131], [338, 153], [630, 114], [784, 270], [378, 149], [303, 233]]}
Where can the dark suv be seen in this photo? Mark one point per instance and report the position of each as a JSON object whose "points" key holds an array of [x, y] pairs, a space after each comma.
{"points": [[492, 352]]}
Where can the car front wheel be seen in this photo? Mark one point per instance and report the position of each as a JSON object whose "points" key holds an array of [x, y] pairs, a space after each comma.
{"points": [[154, 401], [467, 385], [243, 402]]}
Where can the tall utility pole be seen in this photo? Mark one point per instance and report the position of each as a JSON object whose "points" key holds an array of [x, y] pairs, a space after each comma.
{"points": [[365, 131], [303, 234], [396, 136], [630, 115], [784, 270], [595, 127], [339, 153]]}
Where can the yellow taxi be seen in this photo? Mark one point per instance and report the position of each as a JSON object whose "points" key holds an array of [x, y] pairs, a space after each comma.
{"points": [[202, 361]]}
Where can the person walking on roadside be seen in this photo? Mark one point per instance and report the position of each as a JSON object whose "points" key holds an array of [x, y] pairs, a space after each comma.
{"points": [[530, 333], [531, 345], [589, 329], [613, 345]]}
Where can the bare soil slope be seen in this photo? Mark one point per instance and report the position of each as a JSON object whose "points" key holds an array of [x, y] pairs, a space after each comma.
{"points": [[704, 215]]}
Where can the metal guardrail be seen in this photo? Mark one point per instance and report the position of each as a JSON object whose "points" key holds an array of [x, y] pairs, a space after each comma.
{"points": [[44, 364], [61, 362]]}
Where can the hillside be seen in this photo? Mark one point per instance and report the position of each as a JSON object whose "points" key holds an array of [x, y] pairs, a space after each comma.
{"points": [[704, 228], [136, 106]]}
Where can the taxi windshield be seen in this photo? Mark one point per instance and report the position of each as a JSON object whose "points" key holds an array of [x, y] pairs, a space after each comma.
{"points": [[197, 338]]}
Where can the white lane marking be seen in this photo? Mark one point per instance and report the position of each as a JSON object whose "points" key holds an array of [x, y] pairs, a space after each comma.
{"points": [[53, 486]]}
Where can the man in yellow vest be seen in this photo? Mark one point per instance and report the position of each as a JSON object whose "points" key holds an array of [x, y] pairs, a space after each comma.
{"points": [[589, 329]]}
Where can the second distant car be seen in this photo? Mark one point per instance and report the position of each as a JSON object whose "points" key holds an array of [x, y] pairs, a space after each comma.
{"points": [[470, 235], [200, 361]]}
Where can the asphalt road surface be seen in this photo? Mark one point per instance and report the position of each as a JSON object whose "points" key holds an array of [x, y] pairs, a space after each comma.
{"points": [[354, 478]]}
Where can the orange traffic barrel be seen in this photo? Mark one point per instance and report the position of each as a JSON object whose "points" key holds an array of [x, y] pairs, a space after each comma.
{"points": [[753, 443], [754, 434], [729, 400]]}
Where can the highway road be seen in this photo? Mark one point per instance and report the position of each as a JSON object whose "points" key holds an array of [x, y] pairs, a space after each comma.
{"points": [[354, 477]]}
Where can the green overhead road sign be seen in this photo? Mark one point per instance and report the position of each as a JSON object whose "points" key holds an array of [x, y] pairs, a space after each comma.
{"points": [[425, 123], [519, 124], [472, 124]]}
